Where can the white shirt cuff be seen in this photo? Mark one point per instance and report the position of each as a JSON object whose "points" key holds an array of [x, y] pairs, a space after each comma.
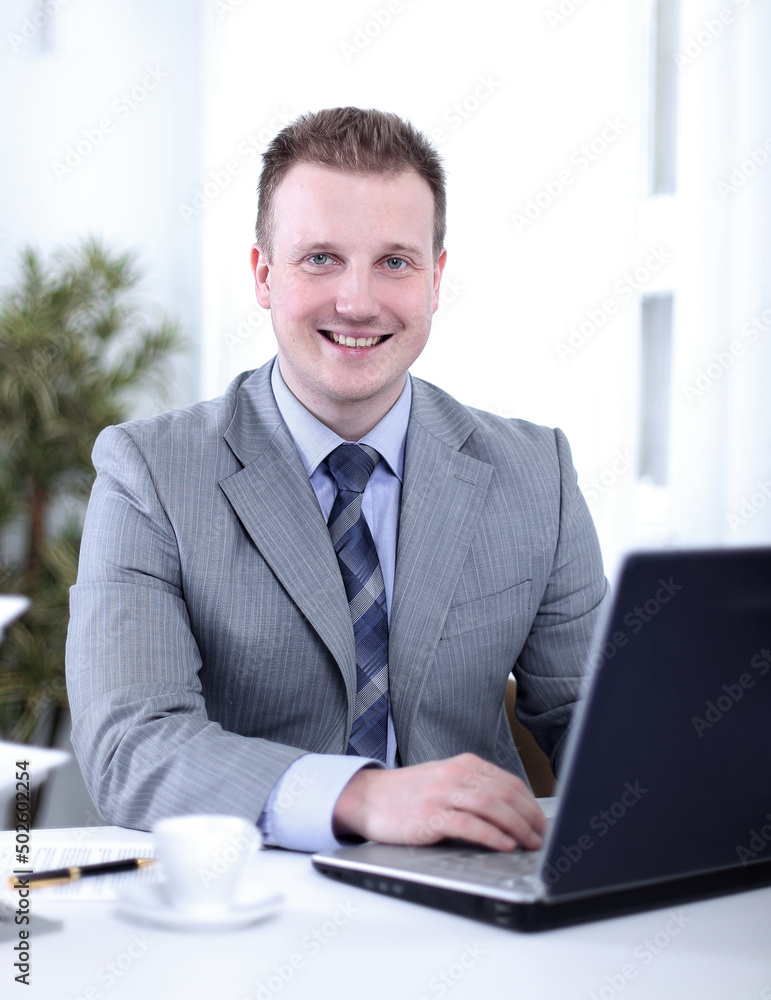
{"points": [[298, 813]]}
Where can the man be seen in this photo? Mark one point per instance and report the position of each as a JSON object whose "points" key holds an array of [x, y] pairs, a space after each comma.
{"points": [[254, 632]]}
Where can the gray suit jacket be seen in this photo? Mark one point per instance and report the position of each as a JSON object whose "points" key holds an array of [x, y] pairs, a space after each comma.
{"points": [[210, 643]]}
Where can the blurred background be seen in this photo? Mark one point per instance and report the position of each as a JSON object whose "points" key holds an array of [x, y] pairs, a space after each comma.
{"points": [[609, 237]]}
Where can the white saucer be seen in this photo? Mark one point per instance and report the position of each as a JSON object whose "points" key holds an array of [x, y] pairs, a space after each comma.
{"points": [[150, 903]]}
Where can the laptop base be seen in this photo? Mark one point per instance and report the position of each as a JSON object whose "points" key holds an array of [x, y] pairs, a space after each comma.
{"points": [[542, 916]]}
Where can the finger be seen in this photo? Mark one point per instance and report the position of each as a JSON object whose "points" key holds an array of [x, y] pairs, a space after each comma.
{"points": [[526, 805], [469, 827], [501, 798], [517, 820]]}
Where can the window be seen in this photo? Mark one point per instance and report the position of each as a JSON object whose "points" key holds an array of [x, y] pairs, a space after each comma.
{"points": [[656, 377], [665, 37]]}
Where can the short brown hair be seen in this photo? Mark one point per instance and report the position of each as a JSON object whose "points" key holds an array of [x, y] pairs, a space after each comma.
{"points": [[356, 140]]}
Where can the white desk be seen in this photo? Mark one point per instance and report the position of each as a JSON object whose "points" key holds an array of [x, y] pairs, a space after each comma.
{"points": [[383, 949]]}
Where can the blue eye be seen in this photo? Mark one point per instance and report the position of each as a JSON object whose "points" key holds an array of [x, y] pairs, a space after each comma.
{"points": [[316, 258], [395, 263]]}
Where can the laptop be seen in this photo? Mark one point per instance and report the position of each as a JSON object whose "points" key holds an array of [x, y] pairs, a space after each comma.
{"points": [[666, 789]]}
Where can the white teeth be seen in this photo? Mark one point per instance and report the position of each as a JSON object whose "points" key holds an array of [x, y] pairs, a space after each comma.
{"points": [[355, 341]]}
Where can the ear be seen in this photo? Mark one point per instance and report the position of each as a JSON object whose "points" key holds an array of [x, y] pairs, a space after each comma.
{"points": [[438, 269], [261, 272]]}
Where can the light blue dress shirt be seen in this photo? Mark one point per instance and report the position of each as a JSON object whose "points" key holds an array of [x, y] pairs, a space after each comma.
{"points": [[298, 813]]}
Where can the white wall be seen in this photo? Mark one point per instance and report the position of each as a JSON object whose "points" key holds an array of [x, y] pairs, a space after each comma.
{"points": [[539, 228], [535, 83], [100, 124], [539, 317], [721, 476]]}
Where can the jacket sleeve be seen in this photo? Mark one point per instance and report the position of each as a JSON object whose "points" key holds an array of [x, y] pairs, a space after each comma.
{"points": [[552, 665], [140, 728]]}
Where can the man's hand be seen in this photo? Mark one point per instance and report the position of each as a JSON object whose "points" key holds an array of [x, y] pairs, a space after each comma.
{"points": [[464, 797]]}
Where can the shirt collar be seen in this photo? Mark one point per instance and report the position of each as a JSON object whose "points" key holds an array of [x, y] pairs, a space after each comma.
{"points": [[314, 440]]}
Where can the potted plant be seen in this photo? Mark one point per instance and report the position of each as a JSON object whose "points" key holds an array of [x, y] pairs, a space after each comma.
{"points": [[75, 348]]}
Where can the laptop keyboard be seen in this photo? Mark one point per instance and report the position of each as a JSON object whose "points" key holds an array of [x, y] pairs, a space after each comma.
{"points": [[517, 871]]}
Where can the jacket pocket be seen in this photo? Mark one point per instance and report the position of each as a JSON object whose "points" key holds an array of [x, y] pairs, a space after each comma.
{"points": [[506, 605]]}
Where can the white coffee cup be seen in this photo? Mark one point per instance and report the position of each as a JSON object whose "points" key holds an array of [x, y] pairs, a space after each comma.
{"points": [[203, 859]]}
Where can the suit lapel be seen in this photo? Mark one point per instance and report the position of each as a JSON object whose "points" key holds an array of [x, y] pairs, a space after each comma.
{"points": [[277, 507], [442, 496]]}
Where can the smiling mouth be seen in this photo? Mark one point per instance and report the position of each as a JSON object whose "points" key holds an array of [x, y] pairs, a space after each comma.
{"points": [[345, 340]]}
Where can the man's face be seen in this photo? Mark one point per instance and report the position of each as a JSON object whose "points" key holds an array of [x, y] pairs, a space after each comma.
{"points": [[351, 288]]}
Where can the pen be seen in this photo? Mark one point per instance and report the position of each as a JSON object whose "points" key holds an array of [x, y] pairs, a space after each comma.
{"points": [[61, 876]]}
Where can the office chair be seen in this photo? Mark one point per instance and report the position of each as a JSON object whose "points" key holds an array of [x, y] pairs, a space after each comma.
{"points": [[536, 762]]}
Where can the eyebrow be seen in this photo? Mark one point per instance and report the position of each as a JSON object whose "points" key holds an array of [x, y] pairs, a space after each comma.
{"points": [[406, 248], [330, 246]]}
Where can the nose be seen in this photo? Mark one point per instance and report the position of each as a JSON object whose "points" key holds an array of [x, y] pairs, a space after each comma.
{"points": [[357, 297]]}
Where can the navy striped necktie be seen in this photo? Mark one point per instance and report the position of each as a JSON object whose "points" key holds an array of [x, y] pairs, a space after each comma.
{"points": [[352, 465]]}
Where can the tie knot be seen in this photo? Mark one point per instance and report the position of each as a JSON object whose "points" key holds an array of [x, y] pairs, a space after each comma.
{"points": [[352, 465]]}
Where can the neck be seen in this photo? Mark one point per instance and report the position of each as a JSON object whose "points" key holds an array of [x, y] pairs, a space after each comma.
{"points": [[350, 419]]}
